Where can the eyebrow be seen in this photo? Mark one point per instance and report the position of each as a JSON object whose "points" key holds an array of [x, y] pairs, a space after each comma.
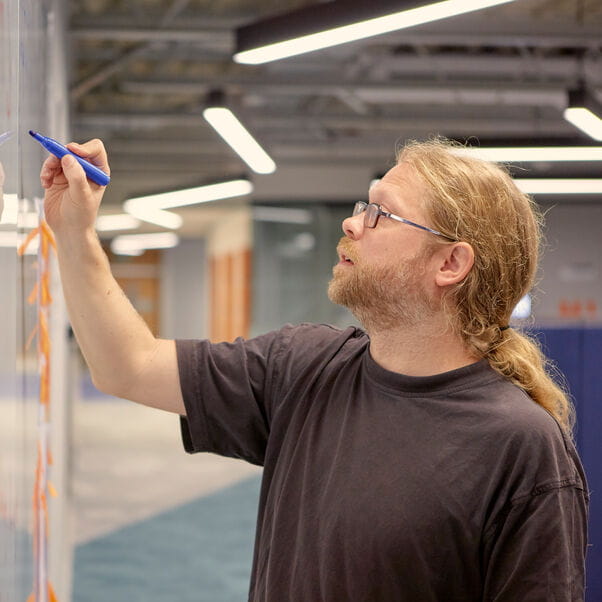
{"points": [[384, 202]]}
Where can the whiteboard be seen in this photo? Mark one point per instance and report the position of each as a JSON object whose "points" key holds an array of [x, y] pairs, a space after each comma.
{"points": [[22, 107]]}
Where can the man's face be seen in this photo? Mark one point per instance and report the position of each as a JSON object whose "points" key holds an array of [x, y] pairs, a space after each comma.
{"points": [[382, 275]]}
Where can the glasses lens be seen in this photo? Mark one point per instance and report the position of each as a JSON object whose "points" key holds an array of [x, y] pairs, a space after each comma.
{"points": [[359, 207], [372, 213]]}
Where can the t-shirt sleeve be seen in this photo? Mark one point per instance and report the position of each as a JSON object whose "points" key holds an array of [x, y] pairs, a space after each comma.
{"points": [[227, 388], [535, 549], [233, 390], [538, 551]]}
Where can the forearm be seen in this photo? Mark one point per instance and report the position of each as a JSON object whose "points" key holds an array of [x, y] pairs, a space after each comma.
{"points": [[115, 341]]}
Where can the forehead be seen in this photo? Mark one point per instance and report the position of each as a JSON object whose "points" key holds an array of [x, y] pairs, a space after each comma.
{"points": [[400, 189]]}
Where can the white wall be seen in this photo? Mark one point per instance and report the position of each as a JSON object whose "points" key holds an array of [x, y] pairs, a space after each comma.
{"points": [[572, 262], [339, 183], [184, 292]]}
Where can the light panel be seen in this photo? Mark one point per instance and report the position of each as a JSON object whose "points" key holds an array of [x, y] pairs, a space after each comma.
{"points": [[584, 112], [152, 208], [533, 153], [136, 244], [585, 120], [11, 240], [201, 194], [11, 216], [165, 219], [234, 133], [358, 30], [560, 185], [117, 221], [11, 209]]}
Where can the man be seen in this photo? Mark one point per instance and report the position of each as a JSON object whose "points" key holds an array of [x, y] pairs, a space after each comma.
{"points": [[427, 457]]}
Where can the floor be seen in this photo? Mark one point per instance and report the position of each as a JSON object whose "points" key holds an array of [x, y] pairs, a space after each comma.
{"points": [[150, 520], [129, 464], [200, 551]]}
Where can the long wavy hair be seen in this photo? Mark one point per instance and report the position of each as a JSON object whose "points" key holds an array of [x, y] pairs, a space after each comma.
{"points": [[478, 202]]}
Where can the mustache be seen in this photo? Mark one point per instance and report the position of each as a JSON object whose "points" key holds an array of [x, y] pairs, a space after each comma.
{"points": [[345, 247]]}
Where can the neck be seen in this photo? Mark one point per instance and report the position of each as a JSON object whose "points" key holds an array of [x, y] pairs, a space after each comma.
{"points": [[423, 350]]}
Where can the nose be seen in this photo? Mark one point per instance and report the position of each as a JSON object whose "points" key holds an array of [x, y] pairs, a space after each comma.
{"points": [[353, 226]]}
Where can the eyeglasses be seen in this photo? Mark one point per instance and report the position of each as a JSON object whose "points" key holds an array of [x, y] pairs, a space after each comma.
{"points": [[372, 212]]}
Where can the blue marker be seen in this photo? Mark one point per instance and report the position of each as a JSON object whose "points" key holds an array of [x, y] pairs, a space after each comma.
{"points": [[58, 150]]}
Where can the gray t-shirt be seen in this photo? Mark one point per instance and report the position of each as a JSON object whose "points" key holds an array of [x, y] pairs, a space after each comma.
{"points": [[383, 487]]}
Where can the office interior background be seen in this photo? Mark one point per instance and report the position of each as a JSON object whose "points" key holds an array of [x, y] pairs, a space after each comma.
{"points": [[127, 515]]}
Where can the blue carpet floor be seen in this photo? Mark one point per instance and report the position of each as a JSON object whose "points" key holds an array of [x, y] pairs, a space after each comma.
{"points": [[199, 552]]}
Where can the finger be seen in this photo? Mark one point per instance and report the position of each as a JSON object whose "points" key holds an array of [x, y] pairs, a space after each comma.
{"points": [[78, 149], [75, 175], [50, 169], [94, 151], [51, 162]]}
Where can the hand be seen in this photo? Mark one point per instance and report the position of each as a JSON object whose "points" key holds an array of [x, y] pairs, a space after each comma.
{"points": [[71, 200]]}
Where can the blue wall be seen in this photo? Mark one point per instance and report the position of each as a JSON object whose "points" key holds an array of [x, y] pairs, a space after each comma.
{"points": [[578, 355]]}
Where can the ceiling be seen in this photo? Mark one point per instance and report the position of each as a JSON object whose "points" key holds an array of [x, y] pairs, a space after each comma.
{"points": [[141, 71]]}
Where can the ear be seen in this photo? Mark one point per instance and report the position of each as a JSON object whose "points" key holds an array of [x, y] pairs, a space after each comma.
{"points": [[454, 263]]}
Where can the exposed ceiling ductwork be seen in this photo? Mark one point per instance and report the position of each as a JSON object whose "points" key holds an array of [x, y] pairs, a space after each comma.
{"points": [[142, 68]]}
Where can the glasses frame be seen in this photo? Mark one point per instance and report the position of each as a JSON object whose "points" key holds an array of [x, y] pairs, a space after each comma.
{"points": [[371, 218]]}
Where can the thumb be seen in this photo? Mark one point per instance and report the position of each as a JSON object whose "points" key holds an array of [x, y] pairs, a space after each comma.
{"points": [[74, 173]]}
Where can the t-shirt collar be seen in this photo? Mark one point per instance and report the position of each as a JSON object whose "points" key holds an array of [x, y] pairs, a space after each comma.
{"points": [[467, 376]]}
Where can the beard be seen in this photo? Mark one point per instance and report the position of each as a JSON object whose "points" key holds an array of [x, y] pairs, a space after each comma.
{"points": [[382, 296]]}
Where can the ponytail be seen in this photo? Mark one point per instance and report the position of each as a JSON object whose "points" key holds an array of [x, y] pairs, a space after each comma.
{"points": [[519, 358]]}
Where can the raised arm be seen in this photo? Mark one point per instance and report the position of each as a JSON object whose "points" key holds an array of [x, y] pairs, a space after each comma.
{"points": [[124, 357]]}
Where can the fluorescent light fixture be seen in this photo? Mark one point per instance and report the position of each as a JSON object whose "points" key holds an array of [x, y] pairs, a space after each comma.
{"points": [[29, 220], [583, 119], [117, 221], [136, 244], [560, 186], [11, 240], [584, 112], [10, 213], [165, 219], [295, 32], [533, 153], [11, 209], [227, 125], [133, 252], [201, 194], [151, 208]]}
